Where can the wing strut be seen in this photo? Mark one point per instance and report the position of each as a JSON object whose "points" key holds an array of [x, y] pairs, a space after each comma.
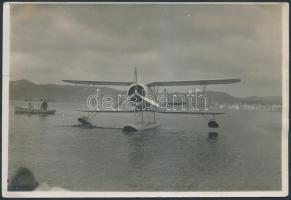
{"points": [[204, 89]]}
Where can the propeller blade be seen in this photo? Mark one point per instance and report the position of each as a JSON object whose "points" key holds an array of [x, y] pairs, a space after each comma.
{"points": [[150, 101], [127, 99], [135, 80], [135, 75]]}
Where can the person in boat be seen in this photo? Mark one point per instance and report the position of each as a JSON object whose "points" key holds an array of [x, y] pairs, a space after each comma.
{"points": [[44, 105], [30, 106]]}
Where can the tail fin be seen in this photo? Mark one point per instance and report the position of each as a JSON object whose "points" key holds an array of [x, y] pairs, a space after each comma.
{"points": [[135, 75]]}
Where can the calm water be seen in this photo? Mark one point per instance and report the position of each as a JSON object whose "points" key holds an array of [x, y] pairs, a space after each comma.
{"points": [[178, 156]]}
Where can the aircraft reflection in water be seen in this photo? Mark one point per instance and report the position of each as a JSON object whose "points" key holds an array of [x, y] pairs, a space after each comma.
{"points": [[143, 102]]}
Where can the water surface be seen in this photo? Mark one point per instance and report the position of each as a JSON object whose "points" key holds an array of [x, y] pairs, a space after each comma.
{"points": [[178, 156]]}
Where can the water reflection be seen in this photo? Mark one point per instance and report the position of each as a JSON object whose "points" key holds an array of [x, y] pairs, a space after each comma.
{"points": [[138, 146], [140, 157], [43, 116], [212, 137]]}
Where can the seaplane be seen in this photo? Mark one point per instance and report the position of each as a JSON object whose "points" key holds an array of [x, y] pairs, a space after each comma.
{"points": [[143, 99]]}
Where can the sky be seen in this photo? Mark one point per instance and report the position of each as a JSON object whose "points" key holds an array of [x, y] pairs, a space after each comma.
{"points": [[52, 42]]}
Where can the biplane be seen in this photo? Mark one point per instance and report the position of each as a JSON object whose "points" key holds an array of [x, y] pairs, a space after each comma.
{"points": [[145, 100]]}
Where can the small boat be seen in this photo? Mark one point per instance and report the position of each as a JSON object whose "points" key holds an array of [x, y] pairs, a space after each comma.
{"points": [[23, 110]]}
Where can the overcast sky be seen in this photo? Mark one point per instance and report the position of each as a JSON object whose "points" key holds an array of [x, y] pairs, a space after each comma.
{"points": [[165, 42]]}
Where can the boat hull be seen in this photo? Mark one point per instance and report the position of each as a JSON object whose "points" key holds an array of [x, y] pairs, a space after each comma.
{"points": [[21, 110]]}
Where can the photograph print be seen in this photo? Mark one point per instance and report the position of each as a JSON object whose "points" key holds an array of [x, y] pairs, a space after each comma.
{"points": [[145, 99]]}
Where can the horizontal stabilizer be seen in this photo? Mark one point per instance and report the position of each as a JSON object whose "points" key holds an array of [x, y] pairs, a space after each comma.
{"points": [[197, 82], [99, 82]]}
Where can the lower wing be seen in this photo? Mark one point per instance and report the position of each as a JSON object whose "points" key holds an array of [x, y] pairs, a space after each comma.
{"points": [[191, 112], [163, 112]]}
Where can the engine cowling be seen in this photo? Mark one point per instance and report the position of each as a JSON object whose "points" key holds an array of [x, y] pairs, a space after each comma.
{"points": [[140, 89]]}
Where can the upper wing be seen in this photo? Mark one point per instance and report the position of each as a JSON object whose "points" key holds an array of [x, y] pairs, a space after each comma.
{"points": [[99, 82], [198, 82]]}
